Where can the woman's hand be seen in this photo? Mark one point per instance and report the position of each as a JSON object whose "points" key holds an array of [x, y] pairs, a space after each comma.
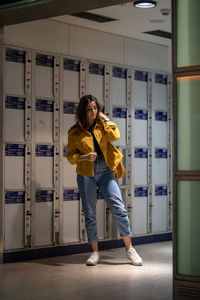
{"points": [[90, 157], [103, 117]]}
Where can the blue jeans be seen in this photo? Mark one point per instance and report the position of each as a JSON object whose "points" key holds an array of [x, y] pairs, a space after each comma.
{"points": [[103, 179]]}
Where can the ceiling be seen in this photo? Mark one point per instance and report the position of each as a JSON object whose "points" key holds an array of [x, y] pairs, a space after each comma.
{"points": [[131, 22]]}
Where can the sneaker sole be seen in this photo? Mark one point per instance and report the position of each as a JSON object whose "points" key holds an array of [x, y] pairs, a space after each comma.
{"points": [[137, 264], [91, 264]]}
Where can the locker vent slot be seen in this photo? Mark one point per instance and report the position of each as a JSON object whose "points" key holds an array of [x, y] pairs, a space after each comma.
{"points": [[160, 33], [93, 17], [190, 292]]}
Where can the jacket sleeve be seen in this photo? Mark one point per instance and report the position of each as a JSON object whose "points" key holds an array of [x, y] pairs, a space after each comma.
{"points": [[111, 131], [72, 152]]}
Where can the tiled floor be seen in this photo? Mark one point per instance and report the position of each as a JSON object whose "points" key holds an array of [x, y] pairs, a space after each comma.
{"points": [[68, 278]]}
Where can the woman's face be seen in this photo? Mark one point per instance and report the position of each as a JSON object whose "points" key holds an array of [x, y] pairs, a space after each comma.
{"points": [[91, 112]]}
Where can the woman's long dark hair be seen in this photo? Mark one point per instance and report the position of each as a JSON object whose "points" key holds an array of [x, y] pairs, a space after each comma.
{"points": [[81, 110]]}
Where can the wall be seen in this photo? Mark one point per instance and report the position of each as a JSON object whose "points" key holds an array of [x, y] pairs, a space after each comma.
{"points": [[66, 39]]}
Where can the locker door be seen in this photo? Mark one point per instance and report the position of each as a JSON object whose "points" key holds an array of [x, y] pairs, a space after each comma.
{"points": [[159, 92], [140, 127], [96, 81], [14, 72], [160, 209], [69, 171], [140, 210], [159, 129], [71, 217], [14, 119], [140, 88], [118, 86], [43, 217], [71, 79], [14, 166], [160, 166], [44, 166], [119, 117], [140, 164], [44, 121], [44, 75], [14, 220]]}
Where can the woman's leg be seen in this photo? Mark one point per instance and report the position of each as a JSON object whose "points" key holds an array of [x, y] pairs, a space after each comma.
{"points": [[112, 195], [94, 246], [127, 242], [88, 193]]}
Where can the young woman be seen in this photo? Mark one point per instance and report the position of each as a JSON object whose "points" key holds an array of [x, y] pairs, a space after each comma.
{"points": [[89, 146]]}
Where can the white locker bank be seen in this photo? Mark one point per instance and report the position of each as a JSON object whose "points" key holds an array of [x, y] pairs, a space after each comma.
{"points": [[48, 66]]}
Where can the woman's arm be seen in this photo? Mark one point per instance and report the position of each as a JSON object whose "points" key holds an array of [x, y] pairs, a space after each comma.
{"points": [[73, 153], [90, 156], [111, 131]]}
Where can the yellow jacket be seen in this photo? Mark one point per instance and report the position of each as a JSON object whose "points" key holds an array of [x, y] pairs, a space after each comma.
{"points": [[80, 142]]}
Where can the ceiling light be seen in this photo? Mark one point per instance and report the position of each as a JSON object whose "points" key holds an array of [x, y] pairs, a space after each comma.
{"points": [[144, 4]]}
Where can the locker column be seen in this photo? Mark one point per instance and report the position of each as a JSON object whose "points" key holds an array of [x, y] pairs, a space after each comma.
{"points": [[1, 144], [169, 146], [28, 149], [57, 152], [141, 170], [149, 144], [128, 152]]}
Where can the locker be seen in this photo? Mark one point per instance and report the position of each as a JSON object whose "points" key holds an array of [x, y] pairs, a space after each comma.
{"points": [[140, 210], [140, 88], [44, 75], [14, 166], [140, 164], [160, 166], [159, 129], [69, 110], [140, 127], [14, 72], [71, 218], [71, 79], [127, 162], [44, 121], [118, 86], [14, 119], [44, 166], [159, 92], [14, 220], [43, 217], [160, 210], [96, 81], [119, 116]]}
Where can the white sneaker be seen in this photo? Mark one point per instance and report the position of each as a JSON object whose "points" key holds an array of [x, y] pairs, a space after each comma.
{"points": [[93, 259], [134, 257]]}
